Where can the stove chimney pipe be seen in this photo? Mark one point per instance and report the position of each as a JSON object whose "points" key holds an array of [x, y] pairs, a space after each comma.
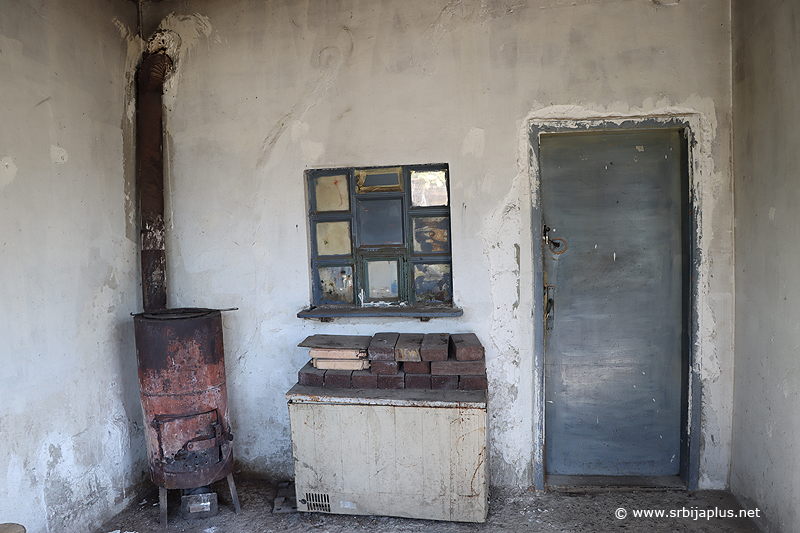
{"points": [[150, 156]]}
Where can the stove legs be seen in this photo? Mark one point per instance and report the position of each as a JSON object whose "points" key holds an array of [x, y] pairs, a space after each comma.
{"points": [[162, 500], [162, 505], [234, 495]]}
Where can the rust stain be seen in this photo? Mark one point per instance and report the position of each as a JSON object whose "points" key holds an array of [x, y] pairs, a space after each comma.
{"points": [[482, 458]]}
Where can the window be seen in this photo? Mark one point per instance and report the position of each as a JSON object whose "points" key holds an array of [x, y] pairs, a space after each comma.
{"points": [[380, 241]]}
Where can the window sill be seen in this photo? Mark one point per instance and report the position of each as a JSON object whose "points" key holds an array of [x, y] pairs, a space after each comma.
{"points": [[327, 313]]}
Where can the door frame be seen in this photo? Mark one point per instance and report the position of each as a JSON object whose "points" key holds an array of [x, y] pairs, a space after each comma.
{"points": [[691, 389]]}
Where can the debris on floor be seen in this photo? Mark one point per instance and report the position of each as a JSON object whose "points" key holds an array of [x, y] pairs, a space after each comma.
{"points": [[510, 511], [286, 500]]}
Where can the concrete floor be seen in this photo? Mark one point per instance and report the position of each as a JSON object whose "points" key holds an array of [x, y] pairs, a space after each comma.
{"points": [[565, 511]]}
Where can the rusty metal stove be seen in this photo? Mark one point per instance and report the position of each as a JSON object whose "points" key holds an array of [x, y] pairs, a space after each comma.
{"points": [[184, 399]]}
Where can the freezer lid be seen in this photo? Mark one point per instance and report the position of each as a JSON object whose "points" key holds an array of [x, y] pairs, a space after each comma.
{"points": [[462, 399]]}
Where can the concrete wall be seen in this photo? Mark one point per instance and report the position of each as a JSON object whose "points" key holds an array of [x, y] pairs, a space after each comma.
{"points": [[265, 90], [765, 465], [70, 423]]}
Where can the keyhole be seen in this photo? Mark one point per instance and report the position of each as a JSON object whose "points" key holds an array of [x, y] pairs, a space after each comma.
{"points": [[558, 246]]}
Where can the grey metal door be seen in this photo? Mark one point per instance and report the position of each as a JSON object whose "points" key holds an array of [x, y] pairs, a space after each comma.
{"points": [[614, 266]]}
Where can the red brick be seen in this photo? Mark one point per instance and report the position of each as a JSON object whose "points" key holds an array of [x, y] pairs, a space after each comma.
{"points": [[393, 381], [418, 381], [472, 383], [310, 376], [444, 382], [466, 347], [417, 367], [407, 347], [338, 378], [385, 367], [381, 347], [364, 379], [435, 346], [454, 368]]}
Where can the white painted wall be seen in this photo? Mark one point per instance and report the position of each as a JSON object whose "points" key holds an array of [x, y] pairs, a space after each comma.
{"points": [[70, 424], [264, 90], [765, 465]]}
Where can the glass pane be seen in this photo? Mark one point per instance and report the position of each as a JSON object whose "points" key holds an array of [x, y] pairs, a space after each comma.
{"points": [[379, 180], [430, 234], [433, 283], [382, 280], [333, 238], [380, 222], [336, 284], [331, 193], [428, 188]]}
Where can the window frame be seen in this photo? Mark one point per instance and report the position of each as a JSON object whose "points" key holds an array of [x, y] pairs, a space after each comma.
{"points": [[409, 259]]}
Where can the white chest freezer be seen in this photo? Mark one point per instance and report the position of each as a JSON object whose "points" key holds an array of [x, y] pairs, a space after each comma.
{"points": [[407, 453]]}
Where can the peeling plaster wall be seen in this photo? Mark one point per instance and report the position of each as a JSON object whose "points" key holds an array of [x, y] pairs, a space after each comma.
{"points": [[268, 89], [72, 451], [765, 464]]}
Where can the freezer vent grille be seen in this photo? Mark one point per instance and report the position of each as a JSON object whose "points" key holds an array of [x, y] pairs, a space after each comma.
{"points": [[318, 502]]}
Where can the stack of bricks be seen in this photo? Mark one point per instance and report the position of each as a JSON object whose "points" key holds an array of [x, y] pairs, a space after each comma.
{"points": [[333, 360], [438, 361]]}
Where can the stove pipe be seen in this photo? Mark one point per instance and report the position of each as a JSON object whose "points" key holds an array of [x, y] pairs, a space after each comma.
{"points": [[150, 157]]}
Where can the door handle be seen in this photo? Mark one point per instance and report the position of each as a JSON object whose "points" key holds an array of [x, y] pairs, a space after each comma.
{"points": [[549, 294]]}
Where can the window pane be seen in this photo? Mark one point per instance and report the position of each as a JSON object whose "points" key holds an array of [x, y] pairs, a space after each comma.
{"points": [[433, 282], [380, 222], [379, 180], [428, 188], [382, 280], [430, 234], [331, 193], [333, 238], [336, 284]]}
